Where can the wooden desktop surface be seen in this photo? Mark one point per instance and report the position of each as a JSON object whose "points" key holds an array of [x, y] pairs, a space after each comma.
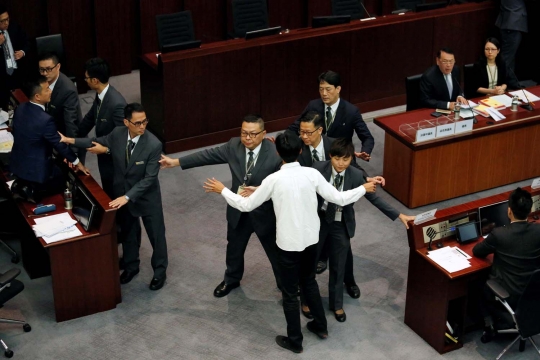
{"points": [[495, 153], [198, 97]]}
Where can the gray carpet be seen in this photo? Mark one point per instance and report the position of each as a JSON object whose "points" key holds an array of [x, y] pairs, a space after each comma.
{"points": [[185, 321]]}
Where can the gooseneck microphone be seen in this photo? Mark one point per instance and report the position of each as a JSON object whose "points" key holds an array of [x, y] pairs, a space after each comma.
{"points": [[367, 13], [527, 106], [475, 120]]}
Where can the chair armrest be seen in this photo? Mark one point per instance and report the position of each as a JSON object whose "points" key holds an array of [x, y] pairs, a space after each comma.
{"points": [[498, 290], [8, 276]]}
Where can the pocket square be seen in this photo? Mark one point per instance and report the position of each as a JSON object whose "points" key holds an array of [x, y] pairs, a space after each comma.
{"points": [[139, 162], [52, 106], [104, 120]]}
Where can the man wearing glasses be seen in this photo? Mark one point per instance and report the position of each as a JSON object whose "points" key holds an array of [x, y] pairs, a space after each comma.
{"points": [[251, 159], [64, 106], [439, 85], [135, 153], [13, 47]]}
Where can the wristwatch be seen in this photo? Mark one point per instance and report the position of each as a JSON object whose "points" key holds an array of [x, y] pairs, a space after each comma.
{"points": [[108, 152]]}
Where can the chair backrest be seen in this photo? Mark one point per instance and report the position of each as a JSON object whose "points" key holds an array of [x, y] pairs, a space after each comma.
{"points": [[468, 86], [528, 308], [408, 4], [52, 44], [174, 28], [347, 7], [412, 87], [249, 15]]}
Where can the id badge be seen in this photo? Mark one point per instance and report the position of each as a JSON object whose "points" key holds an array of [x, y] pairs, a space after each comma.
{"points": [[240, 189], [338, 215], [9, 63]]}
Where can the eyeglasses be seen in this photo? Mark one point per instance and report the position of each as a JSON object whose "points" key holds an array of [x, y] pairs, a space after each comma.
{"points": [[249, 135], [47, 70], [4, 21], [490, 50], [139, 123], [308, 133], [447, 62]]}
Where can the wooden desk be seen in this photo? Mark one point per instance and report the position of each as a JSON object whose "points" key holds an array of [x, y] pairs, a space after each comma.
{"points": [[491, 155], [433, 294], [84, 269], [198, 97]]}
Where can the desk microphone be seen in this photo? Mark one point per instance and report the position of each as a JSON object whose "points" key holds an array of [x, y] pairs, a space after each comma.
{"points": [[475, 120], [527, 106], [367, 13]]}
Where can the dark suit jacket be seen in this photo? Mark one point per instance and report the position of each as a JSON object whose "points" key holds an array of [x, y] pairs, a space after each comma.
{"points": [[433, 90], [35, 136], [234, 154], [347, 120], [19, 41], [139, 180], [64, 106], [512, 15], [481, 78], [517, 255]]}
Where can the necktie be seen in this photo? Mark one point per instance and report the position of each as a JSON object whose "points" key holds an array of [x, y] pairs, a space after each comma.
{"points": [[331, 209], [7, 56], [449, 84], [315, 155], [249, 164], [129, 149], [328, 118]]}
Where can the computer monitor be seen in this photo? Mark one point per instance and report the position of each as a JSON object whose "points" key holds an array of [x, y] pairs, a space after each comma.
{"points": [[466, 232], [430, 6], [263, 32], [83, 207], [322, 21], [181, 46], [492, 216]]}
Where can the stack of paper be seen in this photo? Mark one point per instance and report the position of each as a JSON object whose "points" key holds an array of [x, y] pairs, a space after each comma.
{"points": [[56, 227], [450, 259], [4, 117], [6, 141], [522, 97]]}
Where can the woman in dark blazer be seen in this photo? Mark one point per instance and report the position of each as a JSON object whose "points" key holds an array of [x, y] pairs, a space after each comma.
{"points": [[490, 76]]}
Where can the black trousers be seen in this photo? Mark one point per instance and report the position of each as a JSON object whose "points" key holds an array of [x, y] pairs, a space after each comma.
{"points": [[237, 241], [154, 225], [510, 40], [324, 255], [297, 268]]}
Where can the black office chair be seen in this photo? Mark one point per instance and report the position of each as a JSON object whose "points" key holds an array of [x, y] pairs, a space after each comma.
{"points": [[9, 288], [248, 15], [526, 316], [347, 7], [468, 86], [174, 28], [54, 44], [14, 256], [408, 4], [412, 88]]}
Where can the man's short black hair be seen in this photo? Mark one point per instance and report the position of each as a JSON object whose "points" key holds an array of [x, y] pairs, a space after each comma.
{"points": [[32, 86], [3, 9], [313, 117], [446, 50], [253, 118], [99, 69], [342, 148], [520, 202], [288, 146], [131, 108], [330, 77], [49, 56]]}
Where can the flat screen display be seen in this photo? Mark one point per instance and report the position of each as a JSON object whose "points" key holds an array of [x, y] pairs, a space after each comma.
{"points": [[493, 216], [83, 207], [467, 232]]}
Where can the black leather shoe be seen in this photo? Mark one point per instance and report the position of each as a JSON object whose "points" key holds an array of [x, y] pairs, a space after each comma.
{"points": [[157, 283], [488, 335], [340, 317], [321, 267], [127, 276], [224, 289], [283, 341], [306, 313], [319, 333], [353, 290]]}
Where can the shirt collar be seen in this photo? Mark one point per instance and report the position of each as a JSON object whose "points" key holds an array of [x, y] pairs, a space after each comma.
{"points": [[102, 95], [335, 173], [320, 150], [41, 106], [333, 107], [135, 139], [290, 165], [255, 151], [54, 83]]}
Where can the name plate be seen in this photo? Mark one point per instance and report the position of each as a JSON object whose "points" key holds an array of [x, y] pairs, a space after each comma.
{"points": [[425, 134], [536, 183], [425, 216], [464, 126], [445, 130]]}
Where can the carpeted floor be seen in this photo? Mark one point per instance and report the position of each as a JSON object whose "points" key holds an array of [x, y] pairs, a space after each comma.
{"points": [[185, 321]]}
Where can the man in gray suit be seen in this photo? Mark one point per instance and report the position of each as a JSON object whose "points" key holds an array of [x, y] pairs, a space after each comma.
{"points": [[64, 106], [512, 21], [135, 154], [251, 159], [106, 113]]}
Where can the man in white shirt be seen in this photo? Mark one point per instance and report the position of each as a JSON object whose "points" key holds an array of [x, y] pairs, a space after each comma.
{"points": [[293, 190]]}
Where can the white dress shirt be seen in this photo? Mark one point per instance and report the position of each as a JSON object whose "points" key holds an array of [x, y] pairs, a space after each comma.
{"points": [[255, 154], [101, 95], [53, 83], [320, 150], [293, 190], [135, 140], [333, 108]]}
